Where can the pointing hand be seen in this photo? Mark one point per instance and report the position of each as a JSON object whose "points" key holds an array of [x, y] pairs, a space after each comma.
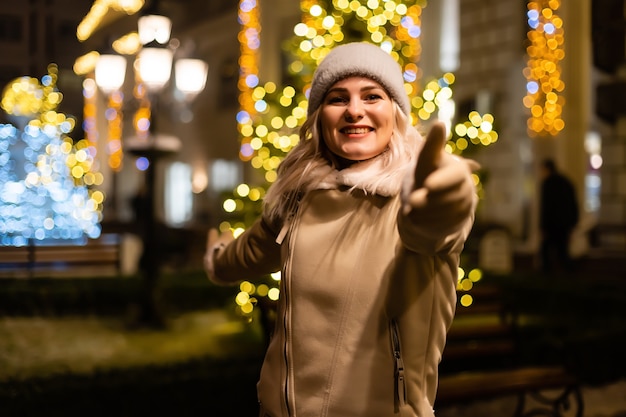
{"points": [[443, 192]]}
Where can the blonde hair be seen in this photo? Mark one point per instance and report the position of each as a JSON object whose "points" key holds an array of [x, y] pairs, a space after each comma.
{"points": [[300, 170]]}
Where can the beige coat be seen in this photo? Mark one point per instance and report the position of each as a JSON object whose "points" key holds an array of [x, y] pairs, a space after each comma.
{"points": [[366, 300]]}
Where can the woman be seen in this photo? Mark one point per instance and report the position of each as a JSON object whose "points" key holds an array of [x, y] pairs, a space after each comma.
{"points": [[367, 231]]}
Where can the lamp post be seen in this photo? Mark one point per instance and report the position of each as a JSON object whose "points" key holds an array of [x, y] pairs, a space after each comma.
{"points": [[153, 65]]}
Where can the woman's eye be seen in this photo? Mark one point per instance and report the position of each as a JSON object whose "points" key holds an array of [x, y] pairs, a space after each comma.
{"points": [[336, 100], [372, 97]]}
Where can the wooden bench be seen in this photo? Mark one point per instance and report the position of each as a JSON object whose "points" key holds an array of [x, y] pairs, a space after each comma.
{"points": [[482, 334], [34, 259], [480, 363], [552, 390]]}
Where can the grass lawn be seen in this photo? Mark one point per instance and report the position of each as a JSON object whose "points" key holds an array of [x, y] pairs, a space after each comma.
{"points": [[203, 363], [31, 347]]}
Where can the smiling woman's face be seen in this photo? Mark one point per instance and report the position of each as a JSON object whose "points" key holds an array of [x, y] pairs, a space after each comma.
{"points": [[357, 118]]}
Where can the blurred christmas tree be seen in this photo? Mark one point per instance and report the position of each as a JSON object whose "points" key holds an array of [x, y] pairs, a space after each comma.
{"points": [[45, 177], [271, 115]]}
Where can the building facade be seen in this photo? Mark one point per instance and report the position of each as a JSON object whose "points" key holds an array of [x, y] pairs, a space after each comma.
{"points": [[484, 43]]}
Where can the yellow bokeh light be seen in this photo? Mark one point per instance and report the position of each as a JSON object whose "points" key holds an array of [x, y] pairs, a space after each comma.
{"points": [[466, 300], [461, 144], [466, 285], [247, 287], [247, 130], [300, 29], [243, 190], [262, 290], [229, 205], [475, 275], [277, 122], [242, 298], [273, 294], [316, 10], [261, 131], [97, 196], [270, 176], [256, 143], [254, 194], [77, 171], [460, 129], [247, 308]]}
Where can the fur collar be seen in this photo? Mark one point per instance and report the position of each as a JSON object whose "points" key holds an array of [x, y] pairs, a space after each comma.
{"points": [[369, 176]]}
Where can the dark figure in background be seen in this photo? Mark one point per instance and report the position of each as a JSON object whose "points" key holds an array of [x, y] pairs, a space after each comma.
{"points": [[558, 217]]}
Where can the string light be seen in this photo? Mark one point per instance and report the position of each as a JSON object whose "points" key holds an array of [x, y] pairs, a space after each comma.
{"points": [[113, 115], [249, 41], [99, 10], [543, 71]]}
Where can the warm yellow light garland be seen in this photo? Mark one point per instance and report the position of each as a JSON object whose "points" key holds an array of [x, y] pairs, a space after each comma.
{"points": [[544, 85], [249, 41], [113, 115]]}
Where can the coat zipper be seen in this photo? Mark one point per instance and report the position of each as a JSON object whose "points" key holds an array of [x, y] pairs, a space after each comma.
{"points": [[287, 354], [287, 229], [399, 385]]}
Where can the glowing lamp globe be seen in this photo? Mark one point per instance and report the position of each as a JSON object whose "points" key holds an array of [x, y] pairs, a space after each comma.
{"points": [[154, 28], [110, 72], [191, 75], [155, 67]]}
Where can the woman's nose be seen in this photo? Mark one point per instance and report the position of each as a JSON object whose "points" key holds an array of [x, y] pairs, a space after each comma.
{"points": [[354, 110]]}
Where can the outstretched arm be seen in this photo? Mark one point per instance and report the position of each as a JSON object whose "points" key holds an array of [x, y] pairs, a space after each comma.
{"points": [[441, 199], [252, 255]]}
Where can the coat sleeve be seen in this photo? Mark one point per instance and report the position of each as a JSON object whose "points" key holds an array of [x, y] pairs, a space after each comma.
{"points": [[251, 256]]}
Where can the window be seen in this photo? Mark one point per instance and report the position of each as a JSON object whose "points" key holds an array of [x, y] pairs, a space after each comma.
{"points": [[178, 194], [225, 175]]}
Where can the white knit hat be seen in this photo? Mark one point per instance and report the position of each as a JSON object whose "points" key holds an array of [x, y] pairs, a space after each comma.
{"points": [[358, 59]]}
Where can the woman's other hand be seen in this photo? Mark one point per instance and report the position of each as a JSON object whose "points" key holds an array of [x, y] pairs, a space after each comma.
{"points": [[214, 244]]}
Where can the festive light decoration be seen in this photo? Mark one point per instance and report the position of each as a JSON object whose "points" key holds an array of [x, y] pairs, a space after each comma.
{"points": [[99, 10], [113, 115], [45, 178], [395, 26], [89, 111], [543, 71], [142, 117], [128, 44], [249, 41]]}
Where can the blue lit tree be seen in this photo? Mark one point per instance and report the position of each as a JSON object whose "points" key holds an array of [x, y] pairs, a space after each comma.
{"points": [[45, 177]]}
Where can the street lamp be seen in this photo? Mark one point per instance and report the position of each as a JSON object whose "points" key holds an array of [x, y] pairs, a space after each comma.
{"points": [[153, 67]]}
